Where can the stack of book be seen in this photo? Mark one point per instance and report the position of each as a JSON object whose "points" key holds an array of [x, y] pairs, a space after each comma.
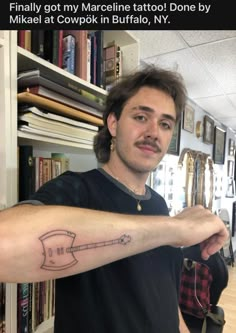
{"points": [[49, 108]]}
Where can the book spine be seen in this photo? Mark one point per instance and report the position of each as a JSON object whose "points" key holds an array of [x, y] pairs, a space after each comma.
{"points": [[99, 69], [93, 58], [47, 167], [26, 172], [56, 168], [69, 54], [88, 58], [48, 42], [55, 47], [60, 48], [21, 38], [110, 63], [23, 308], [83, 54], [37, 42], [28, 40]]}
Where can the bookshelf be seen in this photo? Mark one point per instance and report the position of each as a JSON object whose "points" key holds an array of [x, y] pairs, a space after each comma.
{"points": [[13, 59]]}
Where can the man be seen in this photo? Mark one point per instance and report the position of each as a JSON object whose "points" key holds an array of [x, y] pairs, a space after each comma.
{"points": [[117, 270]]}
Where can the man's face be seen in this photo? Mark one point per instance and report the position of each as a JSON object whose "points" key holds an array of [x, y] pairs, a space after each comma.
{"points": [[144, 130]]}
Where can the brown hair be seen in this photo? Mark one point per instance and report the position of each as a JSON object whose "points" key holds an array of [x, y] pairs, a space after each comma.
{"points": [[151, 76]]}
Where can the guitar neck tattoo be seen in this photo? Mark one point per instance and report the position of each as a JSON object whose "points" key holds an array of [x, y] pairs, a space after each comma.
{"points": [[61, 256]]}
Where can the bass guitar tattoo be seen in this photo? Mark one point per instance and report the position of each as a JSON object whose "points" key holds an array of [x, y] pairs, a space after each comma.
{"points": [[61, 256]]}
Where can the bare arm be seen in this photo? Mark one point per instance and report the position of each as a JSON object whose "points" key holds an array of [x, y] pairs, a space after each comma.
{"points": [[44, 242]]}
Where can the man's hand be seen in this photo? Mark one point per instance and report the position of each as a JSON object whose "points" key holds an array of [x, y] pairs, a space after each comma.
{"points": [[198, 225]]}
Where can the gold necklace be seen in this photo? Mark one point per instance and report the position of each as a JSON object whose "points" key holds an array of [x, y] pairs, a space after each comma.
{"points": [[133, 192]]}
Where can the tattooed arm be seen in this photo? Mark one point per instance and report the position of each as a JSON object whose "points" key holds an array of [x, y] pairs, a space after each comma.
{"points": [[44, 242]]}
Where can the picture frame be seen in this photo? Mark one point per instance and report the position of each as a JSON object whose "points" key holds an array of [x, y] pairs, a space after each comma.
{"points": [[231, 147], [230, 168], [219, 145], [175, 141], [208, 130], [188, 119]]}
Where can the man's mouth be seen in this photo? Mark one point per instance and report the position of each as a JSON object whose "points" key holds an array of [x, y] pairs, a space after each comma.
{"points": [[149, 146]]}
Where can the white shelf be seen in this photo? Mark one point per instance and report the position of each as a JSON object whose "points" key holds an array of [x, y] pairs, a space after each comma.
{"points": [[121, 37], [40, 141]]}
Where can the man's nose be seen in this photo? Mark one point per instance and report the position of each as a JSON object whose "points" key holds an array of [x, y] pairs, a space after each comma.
{"points": [[153, 130]]}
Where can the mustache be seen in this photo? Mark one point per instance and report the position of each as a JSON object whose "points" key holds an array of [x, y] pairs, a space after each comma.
{"points": [[150, 143]]}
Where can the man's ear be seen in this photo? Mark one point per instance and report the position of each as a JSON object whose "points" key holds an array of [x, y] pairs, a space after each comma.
{"points": [[112, 124]]}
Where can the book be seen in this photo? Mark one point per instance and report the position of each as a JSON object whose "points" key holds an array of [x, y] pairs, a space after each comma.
{"points": [[38, 172], [69, 54], [26, 176], [61, 85], [23, 308], [81, 51], [112, 63], [26, 109], [35, 121], [100, 67], [93, 58], [63, 159], [58, 97], [47, 170], [21, 38], [88, 78], [28, 40], [57, 48], [50, 135], [37, 42], [57, 108], [56, 168]]}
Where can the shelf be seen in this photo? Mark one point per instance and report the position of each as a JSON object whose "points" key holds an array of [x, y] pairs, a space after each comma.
{"points": [[121, 37], [45, 142], [28, 60]]}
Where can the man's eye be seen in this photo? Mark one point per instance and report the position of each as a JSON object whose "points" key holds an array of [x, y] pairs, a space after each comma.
{"points": [[140, 118], [166, 125]]}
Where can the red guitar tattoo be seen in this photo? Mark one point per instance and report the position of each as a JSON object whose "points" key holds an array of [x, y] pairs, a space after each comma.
{"points": [[60, 256]]}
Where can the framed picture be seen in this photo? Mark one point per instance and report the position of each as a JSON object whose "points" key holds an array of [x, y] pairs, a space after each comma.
{"points": [[231, 147], [208, 130], [230, 168], [188, 122], [219, 145], [175, 141]]}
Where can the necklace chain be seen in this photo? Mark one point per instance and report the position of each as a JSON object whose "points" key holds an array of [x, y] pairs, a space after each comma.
{"points": [[131, 190]]}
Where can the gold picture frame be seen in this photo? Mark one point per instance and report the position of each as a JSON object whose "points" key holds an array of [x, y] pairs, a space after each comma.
{"points": [[188, 119]]}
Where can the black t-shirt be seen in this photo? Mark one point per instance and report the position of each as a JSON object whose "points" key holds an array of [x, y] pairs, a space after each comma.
{"points": [[138, 294]]}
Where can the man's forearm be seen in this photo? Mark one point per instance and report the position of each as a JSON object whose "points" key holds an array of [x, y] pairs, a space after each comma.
{"points": [[45, 242]]}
